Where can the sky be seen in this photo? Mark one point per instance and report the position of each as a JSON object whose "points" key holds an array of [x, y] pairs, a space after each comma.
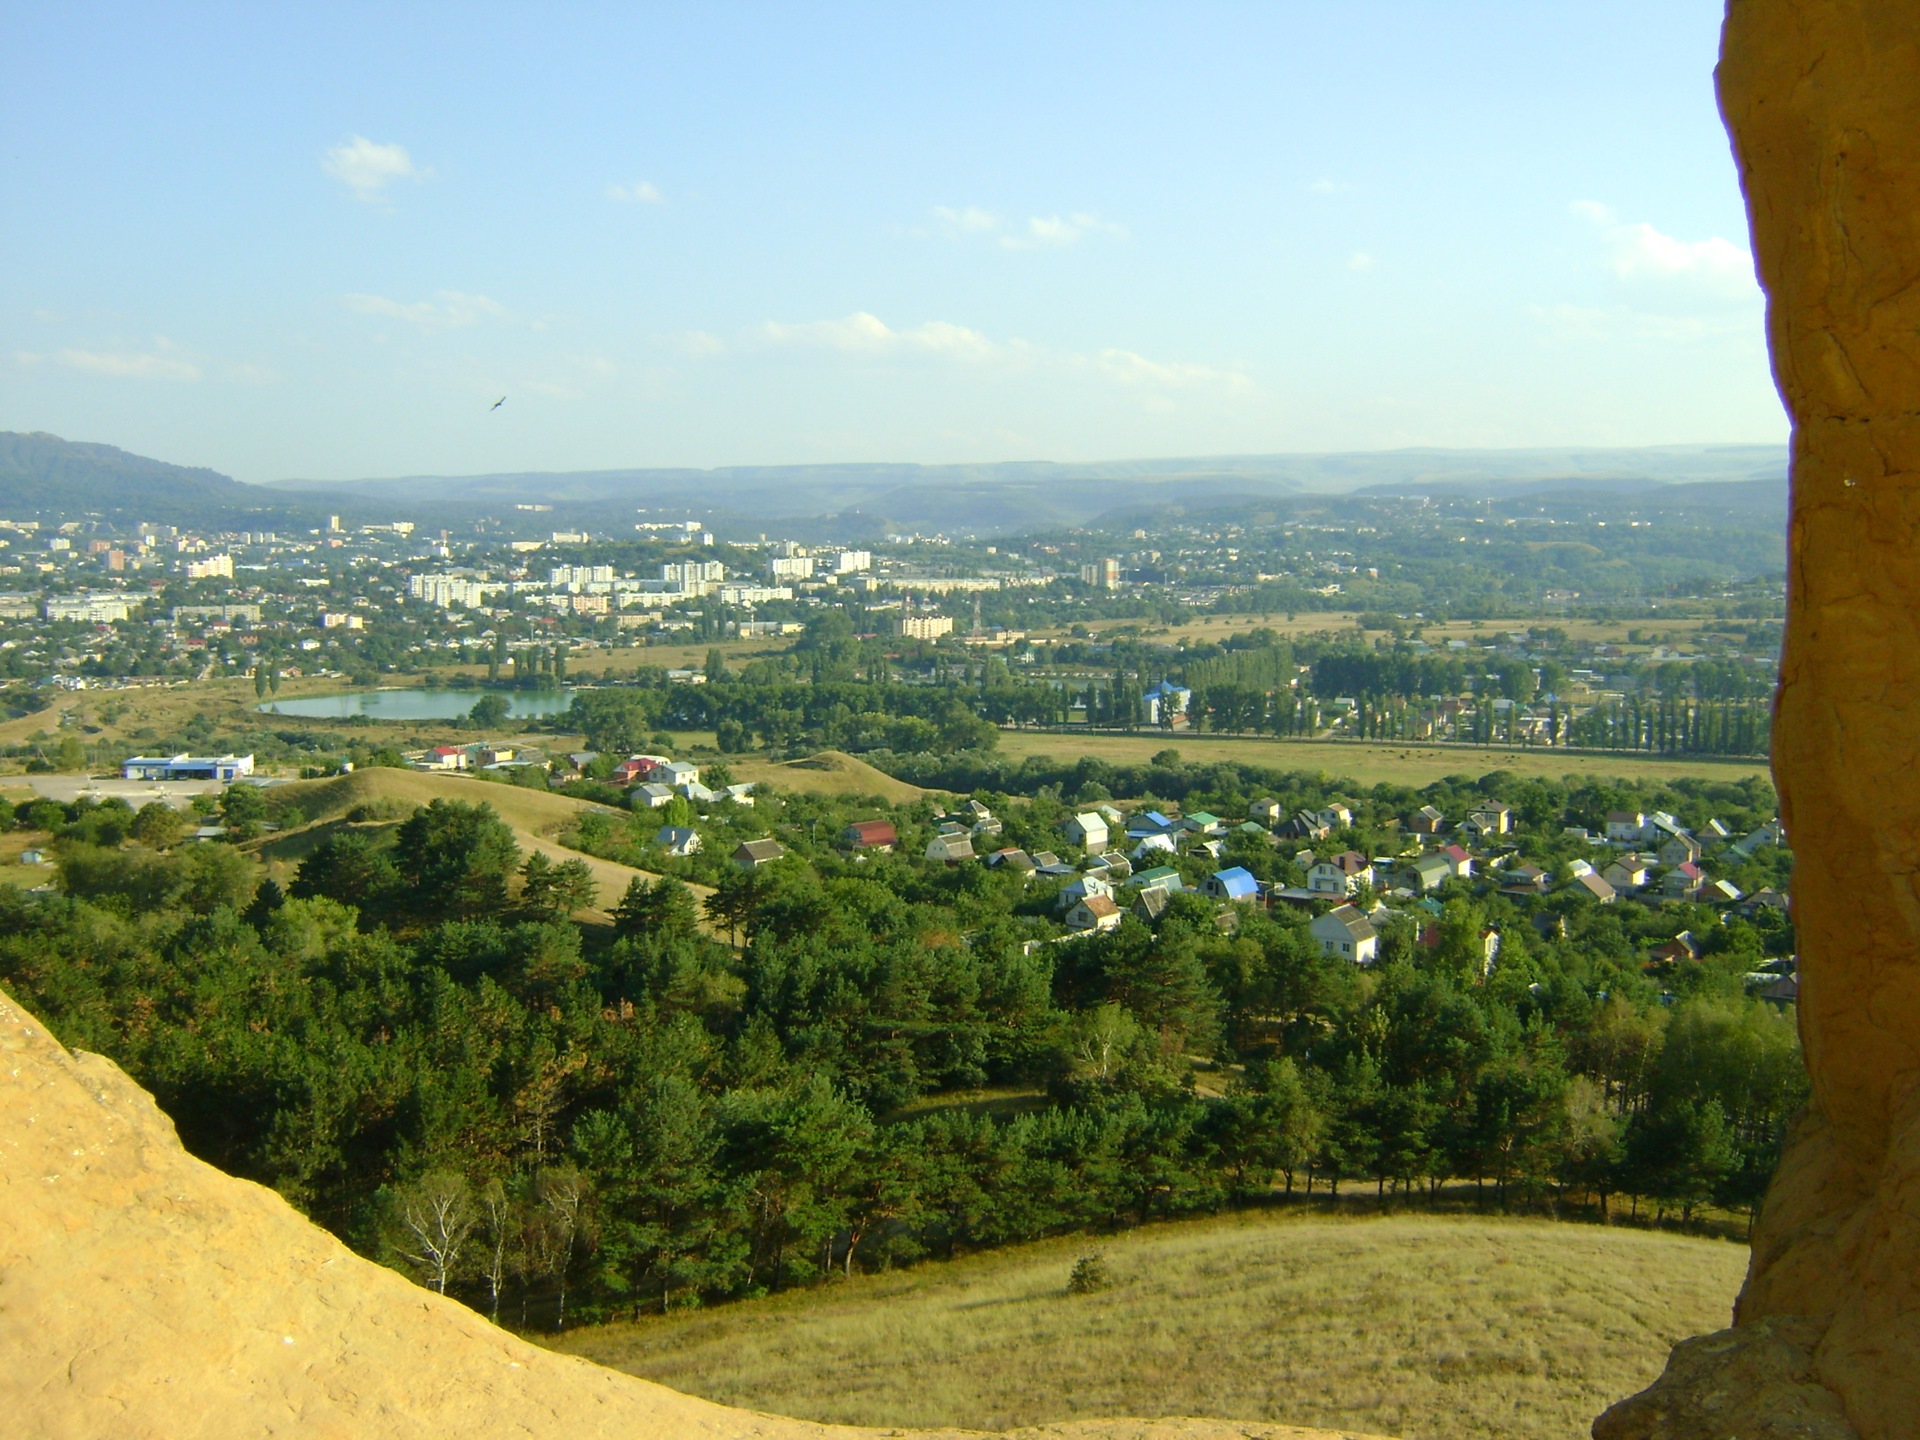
{"points": [[306, 241]]}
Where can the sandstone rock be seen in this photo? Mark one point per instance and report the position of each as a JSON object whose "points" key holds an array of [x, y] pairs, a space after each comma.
{"points": [[1753, 1383], [145, 1294], [1822, 98]]}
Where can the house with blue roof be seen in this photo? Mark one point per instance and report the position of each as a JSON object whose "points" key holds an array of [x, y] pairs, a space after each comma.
{"points": [[1236, 884], [1149, 822], [1166, 704]]}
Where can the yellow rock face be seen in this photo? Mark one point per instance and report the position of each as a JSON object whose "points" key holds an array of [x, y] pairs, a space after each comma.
{"points": [[147, 1296], [1822, 98]]}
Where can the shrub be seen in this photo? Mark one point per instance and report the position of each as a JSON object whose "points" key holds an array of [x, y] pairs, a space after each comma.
{"points": [[1090, 1273]]}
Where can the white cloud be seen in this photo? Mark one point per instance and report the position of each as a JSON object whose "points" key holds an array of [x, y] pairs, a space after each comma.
{"points": [[367, 169], [1055, 230], [864, 333], [450, 311], [1641, 252], [700, 343], [641, 192], [134, 365], [966, 220], [1360, 261], [1130, 369]]}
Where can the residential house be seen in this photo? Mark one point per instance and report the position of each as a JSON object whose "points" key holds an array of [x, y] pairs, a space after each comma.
{"points": [[1151, 846], [1662, 827], [1341, 874], [444, 757], [1344, 932], [1151, 904], [1014, 859], [1593, 885], [675, 772], [1202, 822], [677, 840], [1334, 817], [1161, 877], [1626, 875], [1626, 827], [1681, 881], [1305, 825], [1266, 812], [1048, 863], [1459, 859], [870, 835], [1088, 830], [1720, 892], [1491, 817], [635, 768], [1426, 821], [951, 847], [652, 793], [1236, 884], [752, 854], [695, 791], [1768, 834], [1082, 887], [1149, 823], [1117, 866], [1680, 850], [1430, 872], [740, 794], [1682, 948], [1094, 914], [1524, 881]]}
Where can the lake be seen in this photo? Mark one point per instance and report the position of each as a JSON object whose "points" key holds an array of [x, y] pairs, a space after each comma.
{"points": [[417, 704]]}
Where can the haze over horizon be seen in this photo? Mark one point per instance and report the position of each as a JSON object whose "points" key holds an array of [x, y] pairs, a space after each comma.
{"points": [[322, 246]]}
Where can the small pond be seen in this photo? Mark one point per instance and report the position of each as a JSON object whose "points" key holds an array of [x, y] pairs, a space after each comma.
{"points": [[417, 704]]}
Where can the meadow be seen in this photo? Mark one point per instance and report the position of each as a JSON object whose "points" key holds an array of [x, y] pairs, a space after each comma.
{"points": [[1368, 763], [1422, 1327]]}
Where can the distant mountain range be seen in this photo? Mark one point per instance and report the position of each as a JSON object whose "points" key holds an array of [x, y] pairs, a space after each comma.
{"points": [[44, 475]]}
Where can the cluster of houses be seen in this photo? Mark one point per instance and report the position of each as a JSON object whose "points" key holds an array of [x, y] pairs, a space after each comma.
{"points": [[1116, 863]]}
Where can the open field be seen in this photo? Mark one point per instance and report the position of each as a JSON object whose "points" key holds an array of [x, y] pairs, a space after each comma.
{"points": [[1422, 1327], [831, 772], [1366, 763], [311, 809]]}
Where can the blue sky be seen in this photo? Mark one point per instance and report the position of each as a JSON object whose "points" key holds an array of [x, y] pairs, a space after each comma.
{"points": [[320, 241]]}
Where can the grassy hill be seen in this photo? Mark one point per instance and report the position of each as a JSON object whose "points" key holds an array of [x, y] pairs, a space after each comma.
{"points": [[311, 809], [831, 772], [1424, 1327]]}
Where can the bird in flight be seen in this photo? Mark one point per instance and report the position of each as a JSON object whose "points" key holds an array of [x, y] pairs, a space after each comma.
{"points": [[497, 404]]}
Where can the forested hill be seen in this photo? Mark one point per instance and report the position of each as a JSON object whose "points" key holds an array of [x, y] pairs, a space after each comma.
{"points": [[44, 476]]}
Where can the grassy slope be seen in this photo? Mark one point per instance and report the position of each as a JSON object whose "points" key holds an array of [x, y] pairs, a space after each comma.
{"points": [[831, 772], [1366, 763], [1424, 1327], [534, 816]]}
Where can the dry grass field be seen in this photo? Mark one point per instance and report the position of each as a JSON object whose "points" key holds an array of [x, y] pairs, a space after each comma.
{"points": [[1421, 1327], [831, 772], [311, 809], [1366, 763]]}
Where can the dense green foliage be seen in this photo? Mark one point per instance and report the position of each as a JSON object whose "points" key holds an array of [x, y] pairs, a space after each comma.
{"points": [[418, 1048]]}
